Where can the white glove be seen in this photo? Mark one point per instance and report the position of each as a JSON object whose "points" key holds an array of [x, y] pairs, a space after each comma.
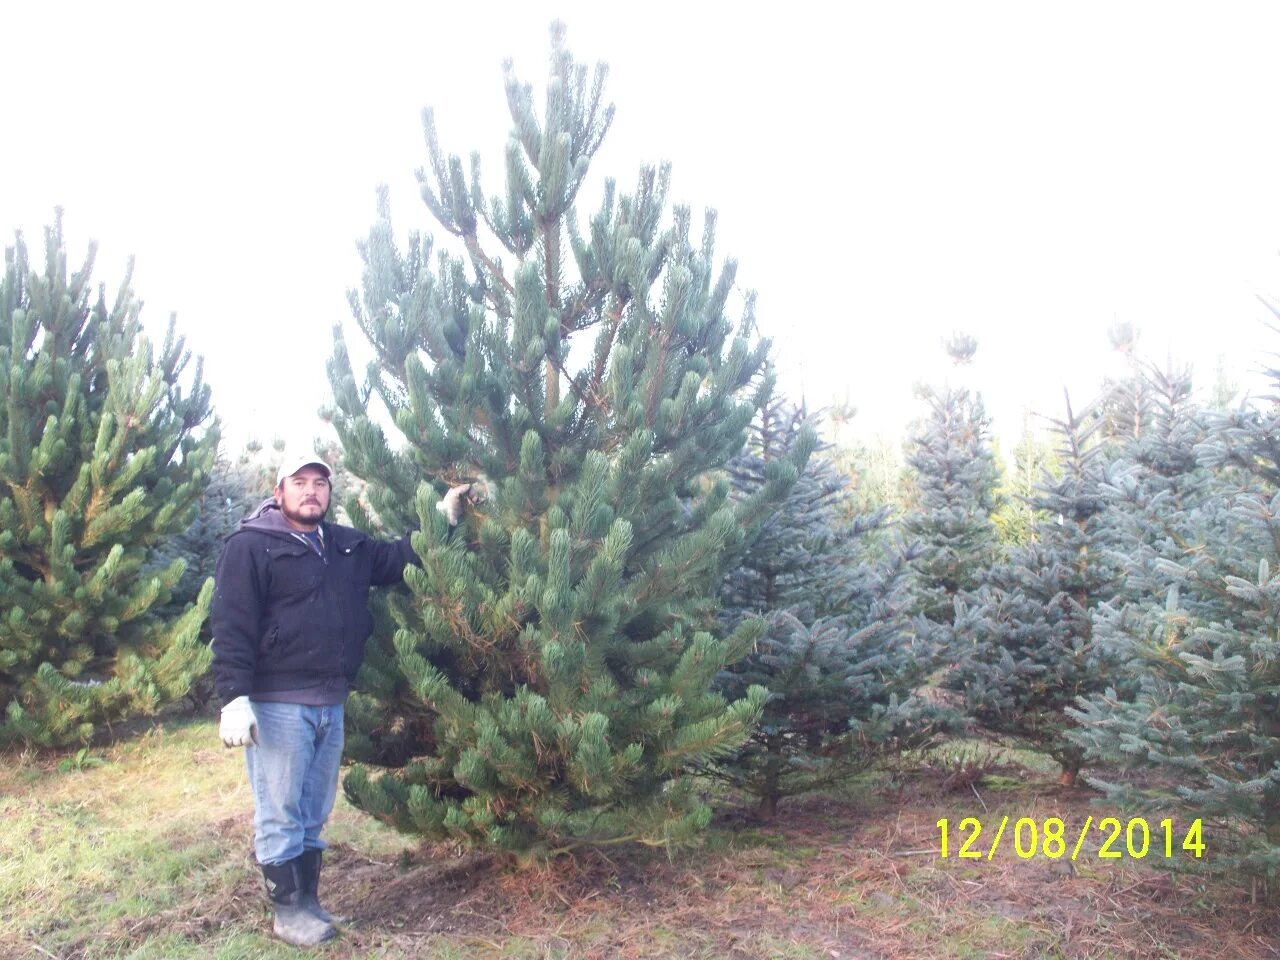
{"points": [[451, 505], [239, 726]]}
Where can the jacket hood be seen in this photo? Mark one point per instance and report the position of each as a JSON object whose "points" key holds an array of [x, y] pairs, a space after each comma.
{"points": [[268, 518]]}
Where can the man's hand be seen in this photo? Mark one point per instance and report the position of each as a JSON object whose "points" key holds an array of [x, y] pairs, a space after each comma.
{"points": [[239, 726], [451, 505]]}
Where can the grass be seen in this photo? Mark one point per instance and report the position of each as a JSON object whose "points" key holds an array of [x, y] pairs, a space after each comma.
{"points": [[156, 832], [146, 855]]}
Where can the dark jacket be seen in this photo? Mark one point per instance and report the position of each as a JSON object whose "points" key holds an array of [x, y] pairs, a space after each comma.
{"points": [[284, 618]]}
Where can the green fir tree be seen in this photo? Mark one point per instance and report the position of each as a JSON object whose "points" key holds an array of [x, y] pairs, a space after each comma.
{"points": [[545, 679], [102, 456]]}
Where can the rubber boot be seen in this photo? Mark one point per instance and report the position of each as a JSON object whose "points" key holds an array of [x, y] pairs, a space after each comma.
{"points": [[309, 867], [294, 923]]}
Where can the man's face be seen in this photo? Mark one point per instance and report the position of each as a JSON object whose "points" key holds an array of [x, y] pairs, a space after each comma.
{"points": [[304, 497]]}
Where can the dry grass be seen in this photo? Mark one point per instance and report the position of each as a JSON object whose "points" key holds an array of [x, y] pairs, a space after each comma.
{"points": [[147, 856]]}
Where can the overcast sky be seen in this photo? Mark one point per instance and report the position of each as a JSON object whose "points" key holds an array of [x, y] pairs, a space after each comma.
{"points": [[885, 173]]}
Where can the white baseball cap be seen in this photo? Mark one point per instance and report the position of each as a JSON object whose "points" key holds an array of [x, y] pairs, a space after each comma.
{"points": [[292, 464]]}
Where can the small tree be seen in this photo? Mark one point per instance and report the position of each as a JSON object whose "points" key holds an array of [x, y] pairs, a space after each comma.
{"points": [[1125, 405], [841, 657], [101, 457], [231, 495], [549, 676], [1016, 518], [957, 478]]}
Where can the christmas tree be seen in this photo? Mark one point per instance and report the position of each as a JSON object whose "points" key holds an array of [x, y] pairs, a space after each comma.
{"points": [[102, 456], [1024, 638], [545, 680], [1125, 404], [233, 491], [1163, 499], [1016, 518], [1201, 638], [841, 658], [957, 478]]}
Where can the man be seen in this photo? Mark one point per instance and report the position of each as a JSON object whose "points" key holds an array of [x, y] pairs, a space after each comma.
{"points": [[290, 621]]}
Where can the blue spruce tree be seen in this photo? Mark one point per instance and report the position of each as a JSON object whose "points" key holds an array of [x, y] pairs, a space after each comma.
{"points": [[1024, 639], [957, 478], [1200, 638], [230, 496], [841, 657], [1163, 498]]}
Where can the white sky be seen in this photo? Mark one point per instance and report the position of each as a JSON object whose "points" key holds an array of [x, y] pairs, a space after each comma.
{"points": [[885, 173]]}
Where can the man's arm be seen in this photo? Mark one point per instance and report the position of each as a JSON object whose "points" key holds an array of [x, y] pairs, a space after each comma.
{"points": [[236, 618], [390, 557]]}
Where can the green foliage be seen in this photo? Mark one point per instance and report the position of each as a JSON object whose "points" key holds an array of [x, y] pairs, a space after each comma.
{"points": [[876, 476], [1017, 518], [81, 760], [101, 457], [544, 680]]}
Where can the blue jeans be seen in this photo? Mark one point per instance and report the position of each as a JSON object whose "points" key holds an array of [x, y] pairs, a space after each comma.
{"points": [[294, 773]]}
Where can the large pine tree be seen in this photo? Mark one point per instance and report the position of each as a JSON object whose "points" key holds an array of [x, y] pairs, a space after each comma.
{"points": [[842, 658], [549, 674], [102, 456]]}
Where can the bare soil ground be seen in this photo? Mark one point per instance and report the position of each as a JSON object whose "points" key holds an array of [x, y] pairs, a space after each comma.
{"points": [[829, 878]]}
